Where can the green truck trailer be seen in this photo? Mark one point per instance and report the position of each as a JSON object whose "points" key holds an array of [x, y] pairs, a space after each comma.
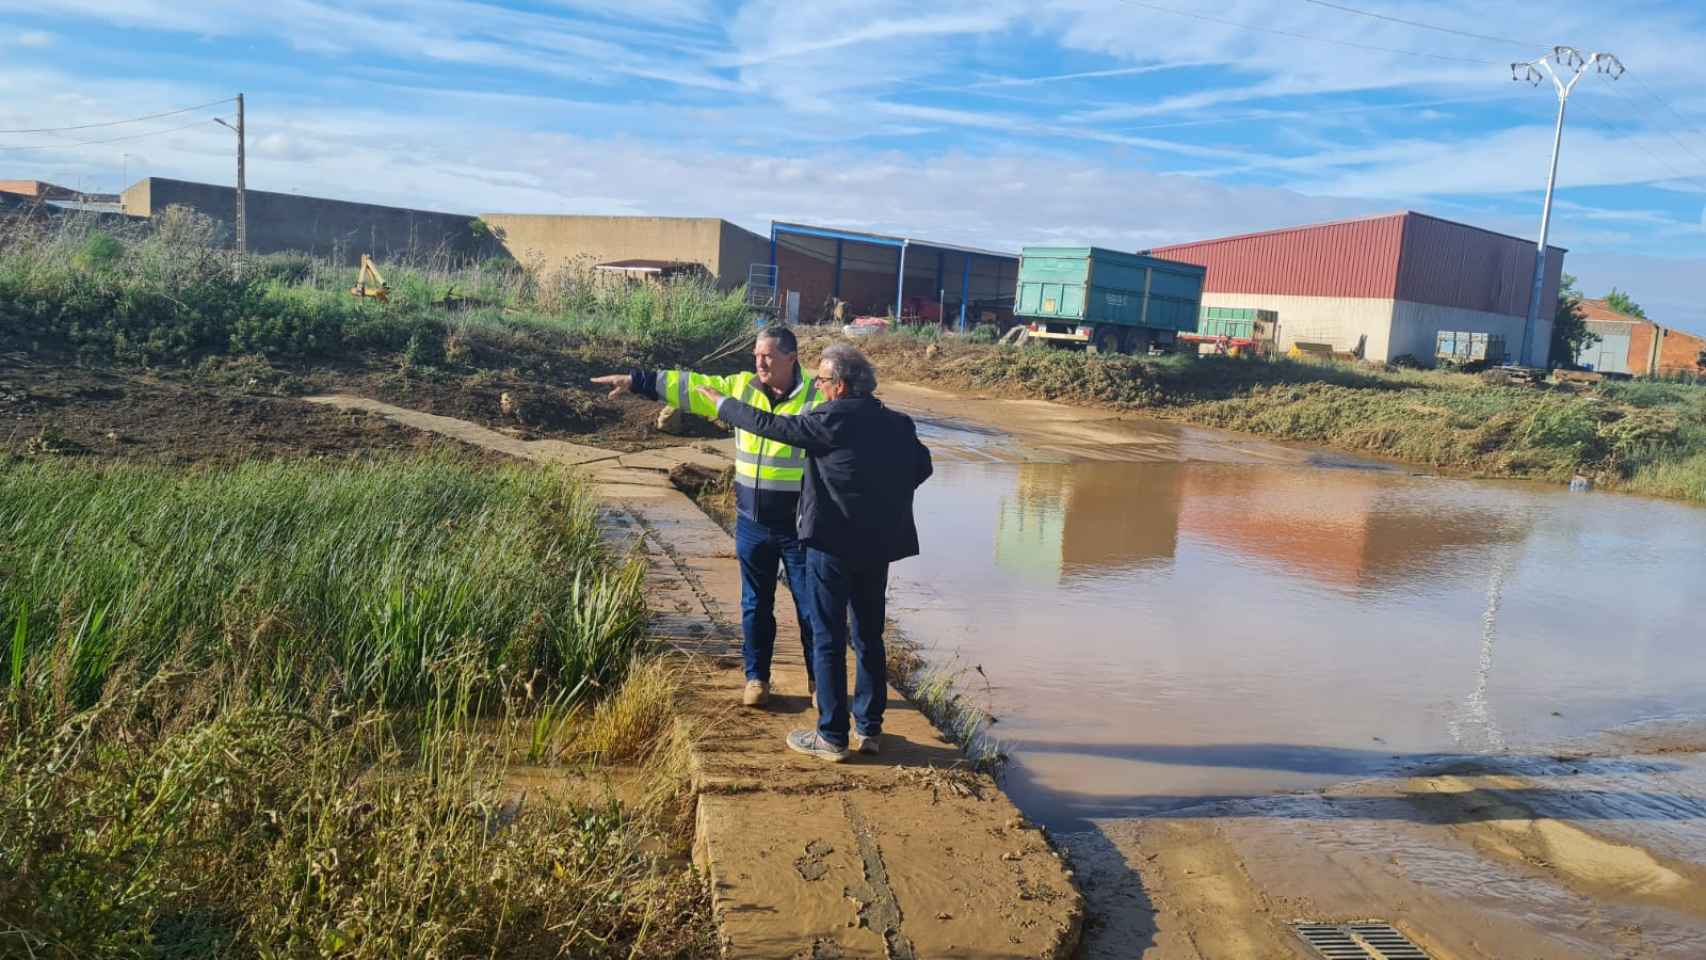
{"points": [[1105, 300]]}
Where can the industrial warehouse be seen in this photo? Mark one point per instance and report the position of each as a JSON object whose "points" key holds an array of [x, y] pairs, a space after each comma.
{"points": [[1382, 288]]}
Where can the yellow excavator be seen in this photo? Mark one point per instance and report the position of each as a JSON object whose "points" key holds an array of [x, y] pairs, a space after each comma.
{"points": [[369, 283]]}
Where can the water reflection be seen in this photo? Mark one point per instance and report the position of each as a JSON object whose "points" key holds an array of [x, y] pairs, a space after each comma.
{"points": [[1064, 521], [1181, 606]]}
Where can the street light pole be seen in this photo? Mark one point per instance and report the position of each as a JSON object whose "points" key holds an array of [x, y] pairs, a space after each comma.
{"points": [[1571, 60], [242, 201]]}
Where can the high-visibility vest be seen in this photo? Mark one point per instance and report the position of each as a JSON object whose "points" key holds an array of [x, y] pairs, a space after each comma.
{"points": [[763, 465]]}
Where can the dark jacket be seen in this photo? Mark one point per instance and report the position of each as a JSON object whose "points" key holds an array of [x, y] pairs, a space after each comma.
{"points": [[863, 463]]}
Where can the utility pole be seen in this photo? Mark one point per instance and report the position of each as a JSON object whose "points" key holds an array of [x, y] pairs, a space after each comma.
{"points": [[1570, 60], [242, 201]]}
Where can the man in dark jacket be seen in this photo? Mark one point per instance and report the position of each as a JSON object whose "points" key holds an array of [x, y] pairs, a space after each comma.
{"points": [[863, 462]]}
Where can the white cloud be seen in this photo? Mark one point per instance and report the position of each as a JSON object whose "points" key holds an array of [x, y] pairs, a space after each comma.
{"points": [[776, 108], [33, 38]]}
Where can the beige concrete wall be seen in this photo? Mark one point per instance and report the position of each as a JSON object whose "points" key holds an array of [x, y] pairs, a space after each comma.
{"points": [[137, 200], [1340, 321], [1416, 327], [1394, 328], [552, 241]]}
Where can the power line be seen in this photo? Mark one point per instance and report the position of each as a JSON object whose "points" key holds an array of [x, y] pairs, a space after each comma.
{"points": [[114, 123], [1626, 129], [1674, 139], [1648, 88], [1423, 26], [1304, 36], [91, 143]]}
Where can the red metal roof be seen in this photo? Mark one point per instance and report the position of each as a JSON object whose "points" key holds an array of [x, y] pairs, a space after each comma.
{"points": [[1403, 256], [1352, 258], [1596, 310]]}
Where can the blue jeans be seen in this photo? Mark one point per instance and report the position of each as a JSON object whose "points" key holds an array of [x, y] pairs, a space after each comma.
{"points": [[837, 588], [761, 549]]}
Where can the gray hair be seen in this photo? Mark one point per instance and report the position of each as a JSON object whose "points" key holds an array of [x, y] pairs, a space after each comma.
{"points": [[852, 369]]}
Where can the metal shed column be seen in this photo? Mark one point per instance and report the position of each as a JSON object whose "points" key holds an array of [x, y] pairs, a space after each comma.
{"points": [[965, 287], [836, 290], [941, 261], [900, 281]]}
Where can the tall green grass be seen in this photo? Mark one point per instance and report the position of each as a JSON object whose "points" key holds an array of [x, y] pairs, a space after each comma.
{"points": [[353, 581], [267, 711], [168, 292]]}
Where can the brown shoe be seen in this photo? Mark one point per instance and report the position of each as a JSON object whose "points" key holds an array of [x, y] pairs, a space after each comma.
{"points": [[757, 692]]}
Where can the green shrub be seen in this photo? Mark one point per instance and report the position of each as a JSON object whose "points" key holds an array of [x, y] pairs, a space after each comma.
{"points": [[100, 250], [1567, 426], [281, 268]]}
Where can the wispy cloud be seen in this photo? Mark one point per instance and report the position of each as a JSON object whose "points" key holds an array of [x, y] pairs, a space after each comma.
{"points": [[1139, 126], [876, 30]]}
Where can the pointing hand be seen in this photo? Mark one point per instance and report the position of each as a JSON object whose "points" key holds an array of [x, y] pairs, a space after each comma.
{"points": [[711, 395], [619, 383]]}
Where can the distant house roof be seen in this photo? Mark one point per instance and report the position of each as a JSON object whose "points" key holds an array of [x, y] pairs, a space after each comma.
{"points": [[39, 189], [1595, 311]]}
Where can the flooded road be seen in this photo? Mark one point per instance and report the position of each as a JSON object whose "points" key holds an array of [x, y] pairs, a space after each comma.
{"points": [[1247, 682], [1156, 632]]}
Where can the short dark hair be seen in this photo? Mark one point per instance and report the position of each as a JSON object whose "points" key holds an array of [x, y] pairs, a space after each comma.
{"points": [[783, 338]]}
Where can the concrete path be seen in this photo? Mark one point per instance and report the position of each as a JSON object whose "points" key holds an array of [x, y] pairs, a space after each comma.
{"points": [[904, 855]]}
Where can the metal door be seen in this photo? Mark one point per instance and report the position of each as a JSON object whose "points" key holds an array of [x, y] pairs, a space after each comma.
{"points": [[1611, 353]]}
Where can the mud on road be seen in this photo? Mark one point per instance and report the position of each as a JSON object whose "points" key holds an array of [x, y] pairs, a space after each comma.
{"points": [[230, 410]]}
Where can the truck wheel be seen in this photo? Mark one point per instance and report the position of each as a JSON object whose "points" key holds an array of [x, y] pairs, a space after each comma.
{"points": [[1104, 340], [1136, 342]]}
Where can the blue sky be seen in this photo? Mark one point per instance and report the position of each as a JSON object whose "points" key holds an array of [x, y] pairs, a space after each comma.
{"points": [[1129, 123]]}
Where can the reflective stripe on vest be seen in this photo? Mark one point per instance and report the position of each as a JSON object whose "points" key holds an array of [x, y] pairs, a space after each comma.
{"points": [[760, 464]]}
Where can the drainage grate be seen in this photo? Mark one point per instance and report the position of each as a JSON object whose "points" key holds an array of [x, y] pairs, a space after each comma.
{"points": [[1369, 940]]}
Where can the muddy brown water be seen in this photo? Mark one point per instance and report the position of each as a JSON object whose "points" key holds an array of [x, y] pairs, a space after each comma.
{"points": [[1208, 618]]}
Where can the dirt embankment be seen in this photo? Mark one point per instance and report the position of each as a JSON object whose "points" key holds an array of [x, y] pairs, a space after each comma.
{"points": [[233, 409]]}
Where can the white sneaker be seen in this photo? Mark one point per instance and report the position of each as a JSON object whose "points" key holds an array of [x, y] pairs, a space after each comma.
{"points": [[869, 746], [755, 694]]}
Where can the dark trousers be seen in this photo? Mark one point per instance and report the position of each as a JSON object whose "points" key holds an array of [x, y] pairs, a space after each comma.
{"points": [[761, 549], [840, 588]]}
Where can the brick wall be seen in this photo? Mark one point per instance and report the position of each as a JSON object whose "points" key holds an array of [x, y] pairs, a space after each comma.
{"points": [[1679, 353]]}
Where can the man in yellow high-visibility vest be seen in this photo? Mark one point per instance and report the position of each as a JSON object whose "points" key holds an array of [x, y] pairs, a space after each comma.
{"points": [[768, 478]]}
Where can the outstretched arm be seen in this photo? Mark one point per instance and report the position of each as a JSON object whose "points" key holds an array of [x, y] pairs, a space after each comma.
{"points": [[674, 387], [809, 433]]}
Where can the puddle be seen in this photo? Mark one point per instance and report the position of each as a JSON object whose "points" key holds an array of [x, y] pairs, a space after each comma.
{"points": [[1161, 633]]}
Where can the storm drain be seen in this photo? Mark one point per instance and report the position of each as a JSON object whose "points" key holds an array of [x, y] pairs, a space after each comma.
{"points": [[1368, 940]]}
